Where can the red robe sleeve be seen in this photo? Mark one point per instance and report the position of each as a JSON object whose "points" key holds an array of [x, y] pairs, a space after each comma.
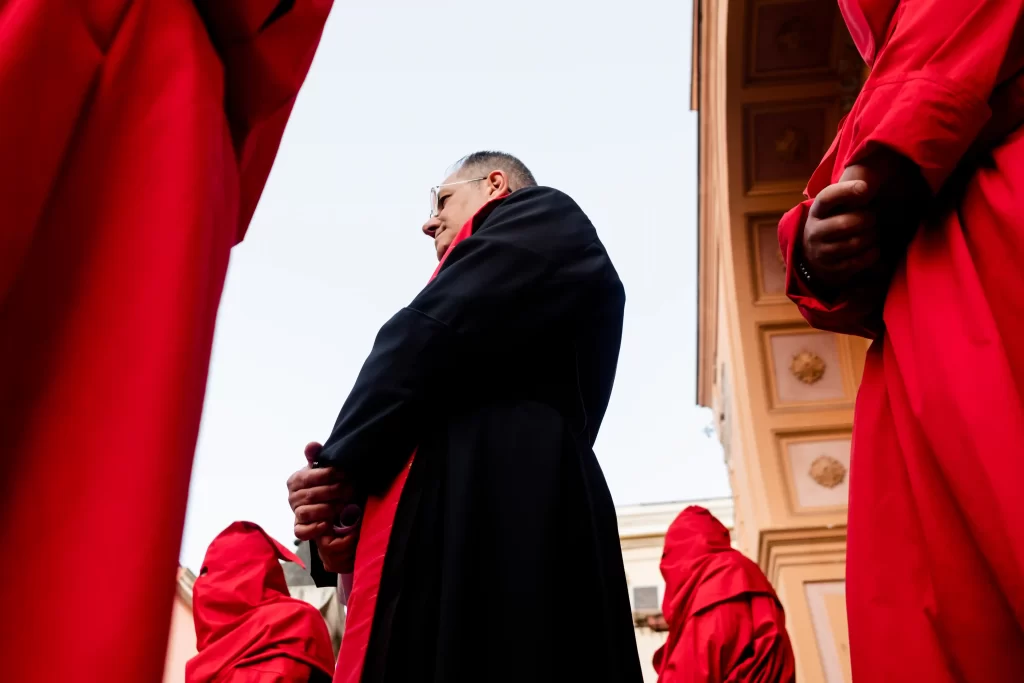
{"points": [[927, 98], [856, 312], [267, 47], [928, 92]]}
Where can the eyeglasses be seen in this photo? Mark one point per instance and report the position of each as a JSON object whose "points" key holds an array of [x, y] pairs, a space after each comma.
{"points": [[434, 198]]}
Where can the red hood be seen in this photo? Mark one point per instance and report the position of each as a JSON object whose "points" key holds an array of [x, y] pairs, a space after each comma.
{"points": [[703, 573], [243, 612], [868, 24], [702, 569]]}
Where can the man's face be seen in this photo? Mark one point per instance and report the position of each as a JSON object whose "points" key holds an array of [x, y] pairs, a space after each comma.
{"points": [[459, 197]]}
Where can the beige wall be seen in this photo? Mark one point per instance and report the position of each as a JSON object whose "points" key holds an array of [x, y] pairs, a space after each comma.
{"points": [[774, 76], [181, 645]]}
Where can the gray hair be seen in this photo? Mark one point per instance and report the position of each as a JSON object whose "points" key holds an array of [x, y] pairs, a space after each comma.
{"points": [[519, 176]]}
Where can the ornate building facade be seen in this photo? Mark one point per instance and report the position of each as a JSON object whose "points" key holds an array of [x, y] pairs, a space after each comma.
{"points": [[771, 79]]}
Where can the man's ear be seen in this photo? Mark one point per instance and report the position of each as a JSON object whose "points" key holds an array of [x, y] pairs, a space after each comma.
{"points": [[498, 183]]}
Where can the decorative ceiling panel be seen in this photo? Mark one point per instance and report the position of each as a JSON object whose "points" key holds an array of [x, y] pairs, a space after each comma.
{"points": [[784, 143], [791, 40]]}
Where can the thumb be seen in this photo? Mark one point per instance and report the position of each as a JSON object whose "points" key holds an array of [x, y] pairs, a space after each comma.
{"points": [[312, 450], [841, 197]]}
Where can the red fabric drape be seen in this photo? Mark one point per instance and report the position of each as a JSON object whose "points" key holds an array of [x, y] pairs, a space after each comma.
{"points": [[248, 627], [375, 533], [868, 23], [136, 142], [936, 548], [725, 622]]}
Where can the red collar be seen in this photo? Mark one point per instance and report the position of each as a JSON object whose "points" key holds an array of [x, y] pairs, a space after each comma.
{"points": [[467, 229]]}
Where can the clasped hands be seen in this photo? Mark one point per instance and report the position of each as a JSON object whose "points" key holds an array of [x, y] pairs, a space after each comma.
{"points": [[842, 240], [317, 496]]}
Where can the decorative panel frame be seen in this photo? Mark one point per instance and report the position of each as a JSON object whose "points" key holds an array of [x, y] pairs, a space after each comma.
{"points": [[784, 141], [765, 256], [822, 349], [827, 469], [791, 40], [812, 610]]}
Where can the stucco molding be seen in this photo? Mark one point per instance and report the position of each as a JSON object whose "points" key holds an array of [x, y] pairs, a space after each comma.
{"points": [[778, 548]]}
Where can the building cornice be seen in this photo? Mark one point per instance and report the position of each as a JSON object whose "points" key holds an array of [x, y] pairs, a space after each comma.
{"points": [[778, 548], [710, 117], [638, 522], [695, 58]]}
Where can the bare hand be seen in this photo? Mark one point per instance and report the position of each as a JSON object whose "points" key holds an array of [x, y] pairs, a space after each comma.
{"points": [[338, 553], [317, 497], [840, 238]]}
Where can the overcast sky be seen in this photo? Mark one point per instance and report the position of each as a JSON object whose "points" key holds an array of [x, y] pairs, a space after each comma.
{"points": [[593, 96]]}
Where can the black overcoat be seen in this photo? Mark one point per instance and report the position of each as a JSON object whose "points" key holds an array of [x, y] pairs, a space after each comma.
{"points": [[504, 561]]}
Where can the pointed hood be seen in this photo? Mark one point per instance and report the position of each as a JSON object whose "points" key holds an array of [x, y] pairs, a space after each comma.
{"points": [[702, 570], [244, 613]]}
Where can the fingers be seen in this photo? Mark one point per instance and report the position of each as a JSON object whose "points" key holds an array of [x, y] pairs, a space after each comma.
{"points": [[832, 253], [333, 545], [308, 478], [309, 532], [841, 197], [836, 240], [846, 226], [337, 553], [311, 451], [854, 249], [856, 263], [321, 512], [338, 493]]}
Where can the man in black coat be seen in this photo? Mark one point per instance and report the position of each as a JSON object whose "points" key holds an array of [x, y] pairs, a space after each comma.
{"points": [[489, 549]]}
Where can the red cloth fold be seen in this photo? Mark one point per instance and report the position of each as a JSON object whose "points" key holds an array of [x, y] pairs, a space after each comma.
{"points": [[868, 23], [725, 621], [936, 552], [136, 144], [246, 622]]}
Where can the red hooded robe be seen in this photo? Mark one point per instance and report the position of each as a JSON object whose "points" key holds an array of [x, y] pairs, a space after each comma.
{"points": [[936, 544], [726, 624], [248, 628], [137, 136]]}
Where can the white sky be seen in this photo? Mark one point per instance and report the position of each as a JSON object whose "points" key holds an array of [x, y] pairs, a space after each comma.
{"points": [[593, 96]]}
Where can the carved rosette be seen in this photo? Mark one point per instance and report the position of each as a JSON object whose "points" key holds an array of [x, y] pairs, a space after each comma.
{"points": [[791, 145], [808, 367], [791, 37], [827, 471]]}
